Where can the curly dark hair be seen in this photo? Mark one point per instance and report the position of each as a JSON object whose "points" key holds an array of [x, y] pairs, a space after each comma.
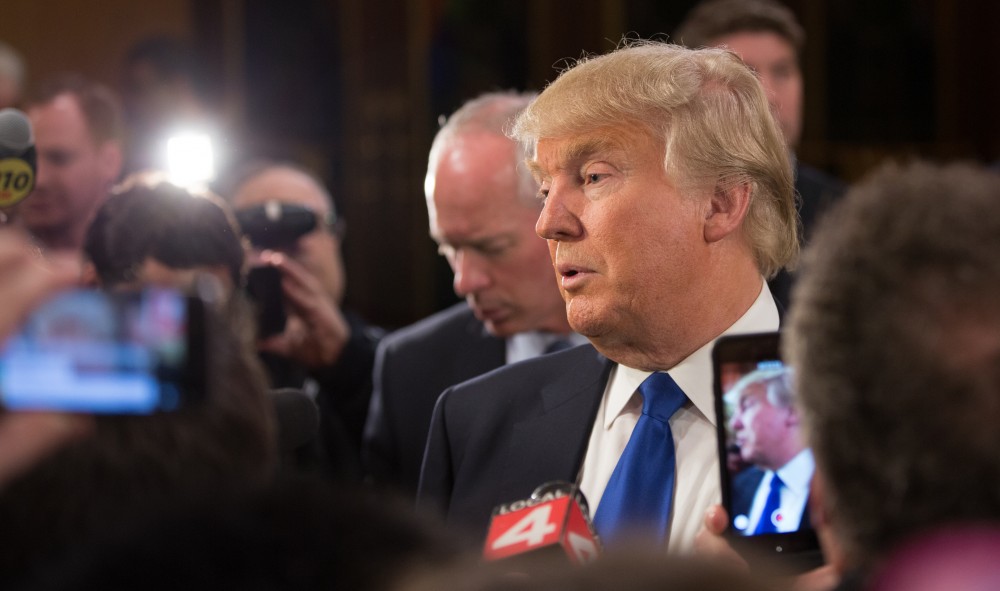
{"points": [[895, 336]]}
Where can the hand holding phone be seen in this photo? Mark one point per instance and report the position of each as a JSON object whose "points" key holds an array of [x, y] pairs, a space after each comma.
{"points": [[316, 330], [264, 290]]}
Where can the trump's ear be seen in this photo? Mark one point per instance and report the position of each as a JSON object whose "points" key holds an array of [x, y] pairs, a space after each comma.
{"points": [[728, 207]]}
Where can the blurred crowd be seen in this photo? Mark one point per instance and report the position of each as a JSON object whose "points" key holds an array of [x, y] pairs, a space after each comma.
{"points": [[603, 233]]}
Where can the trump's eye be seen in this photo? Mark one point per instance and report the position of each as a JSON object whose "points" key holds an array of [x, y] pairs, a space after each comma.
{"points": [[543, 192], [596, 172]]}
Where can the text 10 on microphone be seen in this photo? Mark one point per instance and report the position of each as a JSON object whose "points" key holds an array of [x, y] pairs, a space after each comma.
{"points": [[17, 157]]}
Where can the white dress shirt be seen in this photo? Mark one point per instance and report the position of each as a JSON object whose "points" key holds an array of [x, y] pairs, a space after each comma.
{"points": [[795, 475], [696, 484]]}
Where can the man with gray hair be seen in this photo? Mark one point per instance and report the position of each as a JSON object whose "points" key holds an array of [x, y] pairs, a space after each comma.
{"points": [[482, 207], [667, 196], [771, 495]]}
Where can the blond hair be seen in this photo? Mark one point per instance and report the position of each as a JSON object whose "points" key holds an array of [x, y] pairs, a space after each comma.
{"points": [[712, 115]]}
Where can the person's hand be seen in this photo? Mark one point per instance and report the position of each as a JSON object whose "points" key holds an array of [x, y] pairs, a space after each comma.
{"points": [[27, 279], [316, 331], [27, 437], [711, 542]]}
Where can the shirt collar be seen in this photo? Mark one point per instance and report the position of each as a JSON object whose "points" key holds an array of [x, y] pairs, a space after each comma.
{"points": [[525, 345], [694, 374], [797, 473]]}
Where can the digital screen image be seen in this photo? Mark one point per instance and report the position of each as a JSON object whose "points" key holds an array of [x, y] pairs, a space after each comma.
{"points": [[89, 351]]}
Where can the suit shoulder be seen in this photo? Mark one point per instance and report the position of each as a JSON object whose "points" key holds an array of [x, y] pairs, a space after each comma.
{"points": [[812, 181], [456, 324], [581, 364]]}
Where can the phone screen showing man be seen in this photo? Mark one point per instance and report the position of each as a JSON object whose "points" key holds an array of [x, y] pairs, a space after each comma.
{"points": [[767, 468]]}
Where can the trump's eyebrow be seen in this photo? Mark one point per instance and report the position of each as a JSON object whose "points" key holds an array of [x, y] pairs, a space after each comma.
{"points": [[571, 155]]}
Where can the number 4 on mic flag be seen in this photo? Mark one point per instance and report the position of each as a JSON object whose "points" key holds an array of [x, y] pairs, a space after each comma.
{"points": [[556, 523]]}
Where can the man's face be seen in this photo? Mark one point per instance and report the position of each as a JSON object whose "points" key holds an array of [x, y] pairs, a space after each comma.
{"points": [[75, 173], [485, 228], [627, 245], [319, 250], [775, 61], [762, 430]]}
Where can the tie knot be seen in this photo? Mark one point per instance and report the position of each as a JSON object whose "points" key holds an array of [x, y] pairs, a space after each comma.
{"points": [[661, 396], [776, 482]]}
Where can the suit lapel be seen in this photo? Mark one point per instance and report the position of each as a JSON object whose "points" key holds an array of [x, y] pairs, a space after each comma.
{"points": [[550, 442]]}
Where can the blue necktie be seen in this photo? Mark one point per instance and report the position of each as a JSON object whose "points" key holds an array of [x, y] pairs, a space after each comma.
{"points": [[641, 489], [766, 523]]}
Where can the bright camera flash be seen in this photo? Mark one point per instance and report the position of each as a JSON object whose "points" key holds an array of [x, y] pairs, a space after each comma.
{"points": [[190, 161]]}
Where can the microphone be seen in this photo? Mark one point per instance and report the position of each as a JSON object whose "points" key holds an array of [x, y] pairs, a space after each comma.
{"points": [[18, 160], [555, 519]]}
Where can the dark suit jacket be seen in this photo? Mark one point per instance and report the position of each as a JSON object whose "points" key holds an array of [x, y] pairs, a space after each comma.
{"points": [[412, 367], [817, 191], [742, 488], [345, 390], [495, 438]]}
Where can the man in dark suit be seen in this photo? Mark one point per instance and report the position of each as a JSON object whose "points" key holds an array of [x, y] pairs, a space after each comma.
{"points": [[482, 206], [772, 495], [767, 36], [663, 214]]}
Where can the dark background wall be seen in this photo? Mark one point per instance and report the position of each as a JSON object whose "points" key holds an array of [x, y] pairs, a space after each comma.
{"points": [[354, 89]]}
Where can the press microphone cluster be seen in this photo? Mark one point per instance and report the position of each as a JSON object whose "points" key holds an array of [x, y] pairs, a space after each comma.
{"points": [[555, 519], [17, 157]]}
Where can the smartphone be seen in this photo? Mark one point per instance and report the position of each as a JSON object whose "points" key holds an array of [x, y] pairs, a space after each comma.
{"points": [[766, 468], [97, 352], [264, 291]]}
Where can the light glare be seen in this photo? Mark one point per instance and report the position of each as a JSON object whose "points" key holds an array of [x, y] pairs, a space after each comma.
{"points": [[190, 161]]}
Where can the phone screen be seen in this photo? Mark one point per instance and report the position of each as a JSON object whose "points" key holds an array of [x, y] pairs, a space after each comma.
{"points": [[767, 467], [98, 352]]}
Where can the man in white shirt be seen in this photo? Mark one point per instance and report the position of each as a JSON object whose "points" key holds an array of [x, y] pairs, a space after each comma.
{"points": [[771, 495], [668, 199]]}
